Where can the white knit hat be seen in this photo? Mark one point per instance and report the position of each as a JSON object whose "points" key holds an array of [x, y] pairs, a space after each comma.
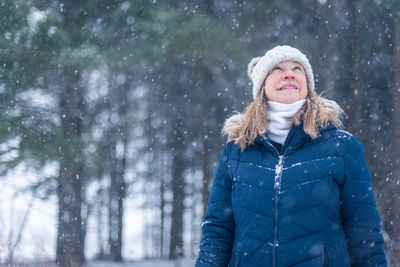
{"points": [[259, 67]]}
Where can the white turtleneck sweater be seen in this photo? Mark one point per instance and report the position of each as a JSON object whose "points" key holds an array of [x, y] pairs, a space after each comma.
{"points": [[279, 116]]}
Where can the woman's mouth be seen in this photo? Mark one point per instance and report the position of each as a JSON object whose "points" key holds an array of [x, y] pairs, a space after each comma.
{"points": [[288, 87]]}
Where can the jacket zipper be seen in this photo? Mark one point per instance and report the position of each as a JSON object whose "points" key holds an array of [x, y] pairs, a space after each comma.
{"points": [[277, 187], [237, 256]]}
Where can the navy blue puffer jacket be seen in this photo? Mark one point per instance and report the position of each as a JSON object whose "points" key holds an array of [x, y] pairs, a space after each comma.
{"points": [[310, 205]]}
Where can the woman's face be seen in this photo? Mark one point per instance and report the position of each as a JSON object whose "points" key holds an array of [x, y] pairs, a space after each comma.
{"points": [[286, 83]]}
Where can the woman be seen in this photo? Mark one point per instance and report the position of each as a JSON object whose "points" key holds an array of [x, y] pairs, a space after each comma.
{"points": [[291, 189]]}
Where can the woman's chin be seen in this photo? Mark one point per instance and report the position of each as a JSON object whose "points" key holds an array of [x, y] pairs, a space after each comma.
{"points": [[288, 99]]}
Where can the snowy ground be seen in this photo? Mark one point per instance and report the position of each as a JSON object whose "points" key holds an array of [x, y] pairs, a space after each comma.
{"points": [[146, 263], [138, 263]]}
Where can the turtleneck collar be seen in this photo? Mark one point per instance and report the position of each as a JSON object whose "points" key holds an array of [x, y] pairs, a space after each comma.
{"points": [[279, 116]]}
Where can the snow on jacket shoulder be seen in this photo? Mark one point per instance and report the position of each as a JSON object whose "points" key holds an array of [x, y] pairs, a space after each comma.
{"points": [[311, 205]]}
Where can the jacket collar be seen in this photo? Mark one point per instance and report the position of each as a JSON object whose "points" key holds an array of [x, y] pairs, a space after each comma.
{"points": [[295, 139]]}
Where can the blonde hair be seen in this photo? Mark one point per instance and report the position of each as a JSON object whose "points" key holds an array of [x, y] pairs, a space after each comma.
{"points": [[317, 112]]}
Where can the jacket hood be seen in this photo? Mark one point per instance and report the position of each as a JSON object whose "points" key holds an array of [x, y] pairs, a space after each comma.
{"points": [[317, 114]]}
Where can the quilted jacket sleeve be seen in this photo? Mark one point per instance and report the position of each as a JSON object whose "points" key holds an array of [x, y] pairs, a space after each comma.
{"points": [[360, 217], [218, 226]]}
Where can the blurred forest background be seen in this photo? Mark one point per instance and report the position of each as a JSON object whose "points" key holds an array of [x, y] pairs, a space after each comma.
{"points": [[127, 98]]}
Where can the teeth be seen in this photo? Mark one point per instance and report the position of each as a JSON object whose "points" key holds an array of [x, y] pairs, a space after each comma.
{"points": [[289, 87]]}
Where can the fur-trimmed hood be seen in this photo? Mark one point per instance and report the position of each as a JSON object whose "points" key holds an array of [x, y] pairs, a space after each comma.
{"points": [[316, 113]]}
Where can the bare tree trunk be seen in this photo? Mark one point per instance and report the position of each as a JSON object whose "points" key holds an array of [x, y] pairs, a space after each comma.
{"points": [[193, 223], [117, 195], [392, 216], [99, 224], [70, 237], [178, 184], [145, 235], [205, 166], [354, 109], [70, 245], [330, 50], [162, 216], [155, 226], [13, 244], [118, 150]]}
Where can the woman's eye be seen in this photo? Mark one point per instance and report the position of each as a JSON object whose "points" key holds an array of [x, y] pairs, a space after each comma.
{"points": [[297, 68], [276, 68]]}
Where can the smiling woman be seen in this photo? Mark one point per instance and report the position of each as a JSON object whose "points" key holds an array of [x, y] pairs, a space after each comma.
{"points": [[291, 188], [286, 83]]}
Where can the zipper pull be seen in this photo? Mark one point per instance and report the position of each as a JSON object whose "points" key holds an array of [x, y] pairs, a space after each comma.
{"points": [[278, 172], [278, 167], [280, 159]]}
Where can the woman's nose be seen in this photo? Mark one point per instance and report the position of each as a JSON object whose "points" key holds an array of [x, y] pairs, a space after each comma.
{"points": [[288, 75]]}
